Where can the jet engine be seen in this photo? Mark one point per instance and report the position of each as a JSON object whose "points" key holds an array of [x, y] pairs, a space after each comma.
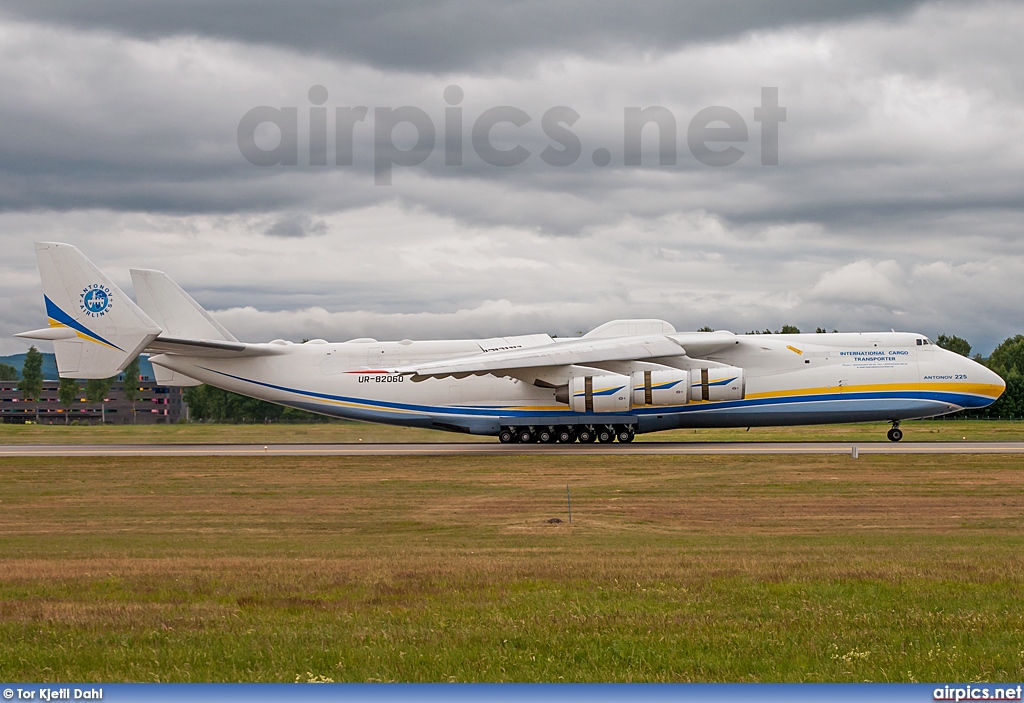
{"points": [[661, 387], [718, 383], [602, 393]]}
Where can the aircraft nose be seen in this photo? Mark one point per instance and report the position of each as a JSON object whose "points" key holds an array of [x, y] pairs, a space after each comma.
{"points": [[987, 377]]}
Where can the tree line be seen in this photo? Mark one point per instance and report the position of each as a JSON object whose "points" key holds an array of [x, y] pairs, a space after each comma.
{"points": [[1007, 360], [210, 404]]}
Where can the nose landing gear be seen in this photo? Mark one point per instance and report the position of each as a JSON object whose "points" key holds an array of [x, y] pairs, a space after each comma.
{"points": [[895, 434]]}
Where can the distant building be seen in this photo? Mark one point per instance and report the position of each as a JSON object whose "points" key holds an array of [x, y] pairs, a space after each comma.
{"points": [[154, 405]]}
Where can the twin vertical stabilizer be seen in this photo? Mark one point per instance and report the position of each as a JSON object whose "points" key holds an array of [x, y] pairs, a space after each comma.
{"points": [[174, 310], [95, 328]]}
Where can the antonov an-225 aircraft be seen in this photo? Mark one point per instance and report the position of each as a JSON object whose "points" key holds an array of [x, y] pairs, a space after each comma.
{"points": [[622, 378]]}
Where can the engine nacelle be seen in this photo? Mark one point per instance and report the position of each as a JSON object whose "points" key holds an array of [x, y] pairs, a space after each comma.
{"points": [[604, 393], [661, 387], [720, 383]]}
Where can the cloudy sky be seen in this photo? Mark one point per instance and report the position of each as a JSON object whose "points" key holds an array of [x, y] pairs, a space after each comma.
{"points": [[896, 202]]}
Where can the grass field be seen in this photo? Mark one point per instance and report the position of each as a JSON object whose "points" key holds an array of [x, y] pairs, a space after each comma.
{"points": [[711, 568], [916, 431]]}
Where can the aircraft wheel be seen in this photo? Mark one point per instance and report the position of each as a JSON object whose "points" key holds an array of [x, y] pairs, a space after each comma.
{"points": [[564, 435], [624, 435], [506, 436], [525, 436], [605, 435], [585, 435], [545, 436], [895, 434]]}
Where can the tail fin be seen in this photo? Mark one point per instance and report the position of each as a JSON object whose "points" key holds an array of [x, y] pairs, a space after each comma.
{"points": [[174, 310], [96, 329]]}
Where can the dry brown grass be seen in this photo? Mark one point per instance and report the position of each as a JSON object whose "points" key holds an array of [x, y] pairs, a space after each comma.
{"points": [[674, 568], [691, 495]]}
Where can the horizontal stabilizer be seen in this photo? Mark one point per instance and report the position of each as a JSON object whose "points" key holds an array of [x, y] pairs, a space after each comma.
{"points": [[49, 334]]}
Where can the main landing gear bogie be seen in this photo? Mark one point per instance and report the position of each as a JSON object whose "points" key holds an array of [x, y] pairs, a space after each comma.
{"points": [[567, 434], [895, 434]]}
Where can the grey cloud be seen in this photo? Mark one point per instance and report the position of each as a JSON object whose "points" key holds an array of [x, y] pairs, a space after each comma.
{"points": [[121, 144], [297, 226], [388, 272], [450, 35], [899, 150]]}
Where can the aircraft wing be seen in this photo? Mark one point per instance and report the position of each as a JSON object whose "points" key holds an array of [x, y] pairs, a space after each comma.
{"points": [[577, 351], [702, 344], [212, 349]]}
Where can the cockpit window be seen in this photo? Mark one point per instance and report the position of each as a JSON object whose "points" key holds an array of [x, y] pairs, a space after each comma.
{"points": [[923, 342]]}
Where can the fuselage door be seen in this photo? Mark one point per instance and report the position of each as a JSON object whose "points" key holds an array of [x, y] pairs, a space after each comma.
{"points": [[380, 356]]}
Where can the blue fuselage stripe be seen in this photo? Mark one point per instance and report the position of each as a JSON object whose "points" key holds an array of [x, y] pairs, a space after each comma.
{"points": [[963, 400]]}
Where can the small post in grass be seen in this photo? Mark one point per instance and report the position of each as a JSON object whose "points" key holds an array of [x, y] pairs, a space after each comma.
{"points": [[568, 499]]}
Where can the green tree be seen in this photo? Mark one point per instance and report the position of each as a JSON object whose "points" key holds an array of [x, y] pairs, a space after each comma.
{"points": [[96, 390], [954, 344], [67, 394], [211, 404], [8, 373], [130, 387], [1008, 358], [31, 385], [786, 329], [705, 328]]}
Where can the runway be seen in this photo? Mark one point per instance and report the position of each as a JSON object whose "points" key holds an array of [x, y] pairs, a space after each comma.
{"points": [[496, 449]]}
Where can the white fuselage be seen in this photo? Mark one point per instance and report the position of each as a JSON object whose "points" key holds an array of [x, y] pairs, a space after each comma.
{"points": [[787, 379]]}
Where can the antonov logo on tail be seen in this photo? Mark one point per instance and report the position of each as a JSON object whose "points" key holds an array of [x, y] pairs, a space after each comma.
{"points": [[95, 300], [623, 378]]}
